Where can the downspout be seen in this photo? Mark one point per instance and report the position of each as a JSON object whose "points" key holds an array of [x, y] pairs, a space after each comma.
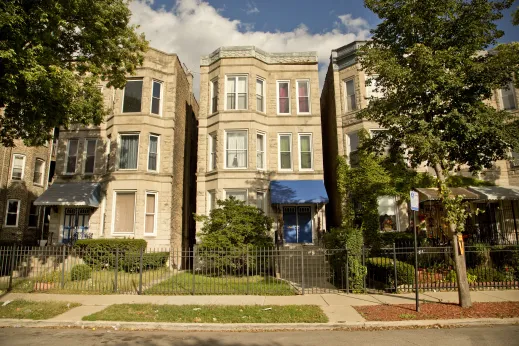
{"points": [[46, 184]]}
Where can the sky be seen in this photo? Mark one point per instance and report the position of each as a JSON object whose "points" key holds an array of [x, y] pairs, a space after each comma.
{"points": [[192, 28]]}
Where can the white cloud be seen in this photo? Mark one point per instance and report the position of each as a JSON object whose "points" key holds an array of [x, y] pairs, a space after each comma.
{"points": [[194, 28], [252, 8]]}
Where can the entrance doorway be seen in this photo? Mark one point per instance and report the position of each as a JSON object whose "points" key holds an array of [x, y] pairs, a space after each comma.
{"points": [[297, 224], [75, 224]]}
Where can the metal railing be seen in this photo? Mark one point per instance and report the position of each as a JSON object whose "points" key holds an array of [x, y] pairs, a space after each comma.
{"points": [[253, 271]]}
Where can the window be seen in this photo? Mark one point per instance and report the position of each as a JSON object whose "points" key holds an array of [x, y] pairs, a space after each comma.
{"points": [[260, 95], [374, 133], [90, 155], [303, 96], [34, 213], [240, 195], [212, 151], [514, 159], [305, 151], [283, 97], [260, 151], [129, 151], [151, 213], [71, 156], [153, 154], [211, 201], [214, 96], [156, 95], [351, 100], [353, 146], [124, 214], [508, 97], [260, 200], [12, 211], [236, 92], [285, 151], [39, 169], [371, 88], [18, 169], [132, 96], [236, 149]]}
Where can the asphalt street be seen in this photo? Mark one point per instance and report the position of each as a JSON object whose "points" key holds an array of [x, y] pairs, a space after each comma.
{"points": [[495, 335]]}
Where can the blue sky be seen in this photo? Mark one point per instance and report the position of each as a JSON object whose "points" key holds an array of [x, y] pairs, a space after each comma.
{"points": [[192, 28]]}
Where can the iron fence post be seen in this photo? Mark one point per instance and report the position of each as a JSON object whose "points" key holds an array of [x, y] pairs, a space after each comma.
{"points": [[394, 265], [364, 264], [347, 273], [63, 267], [302, 272], [247, 268], [11, 269], [194, 264], [116, 268], [140, 273]]}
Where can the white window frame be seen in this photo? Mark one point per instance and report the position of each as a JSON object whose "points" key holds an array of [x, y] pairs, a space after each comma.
{"points": [[264, 193], [309, 98], [114, 201], [299, 135], [119, 150], [236, 76], [246, 148], [264, 90], [513, 92], [226, 191], [346, 99], [85, 155], [211, 160], [263, 150], [39, 183], [153, 81], [210, 195], [17, 212], [124, 91], [67, 155], [155, 214], [211, 104], [23, 167], [291, 153], [349, 151], [277, 97], [148, 157]]}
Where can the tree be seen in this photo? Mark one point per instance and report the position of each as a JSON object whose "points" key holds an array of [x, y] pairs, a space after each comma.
{"points": [[429, 61], [53, 54]]}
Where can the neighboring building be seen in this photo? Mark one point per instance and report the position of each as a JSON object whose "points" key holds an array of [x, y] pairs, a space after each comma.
{"points": [[260, 137], [23, 178], [345, 92], [133, 176]]}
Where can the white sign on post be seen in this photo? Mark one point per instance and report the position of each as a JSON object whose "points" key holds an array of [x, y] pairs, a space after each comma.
{"points": [[415, 201]]}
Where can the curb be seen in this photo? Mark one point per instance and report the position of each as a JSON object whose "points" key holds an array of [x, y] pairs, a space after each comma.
{"points": [[221, 327]]}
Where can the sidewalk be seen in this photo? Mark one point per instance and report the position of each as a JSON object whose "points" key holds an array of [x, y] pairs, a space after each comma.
{"points": [[338, 307]]}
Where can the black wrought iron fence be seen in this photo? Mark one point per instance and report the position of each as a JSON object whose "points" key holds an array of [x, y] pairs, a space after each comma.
{"points": [[251, 271]]}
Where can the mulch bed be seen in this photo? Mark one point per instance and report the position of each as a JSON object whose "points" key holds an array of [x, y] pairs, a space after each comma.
{"points": [[437, 311]]}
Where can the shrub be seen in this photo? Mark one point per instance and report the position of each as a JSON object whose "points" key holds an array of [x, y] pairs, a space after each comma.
{"points": [[452, 277], [80, 272], [381, 269], [101, 253], [478, 255], [153, 260], [353, 240], [505, 256], [487, 274]]}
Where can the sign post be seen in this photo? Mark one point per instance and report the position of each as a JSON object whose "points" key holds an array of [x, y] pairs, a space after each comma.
{"points": [[415, 205]]}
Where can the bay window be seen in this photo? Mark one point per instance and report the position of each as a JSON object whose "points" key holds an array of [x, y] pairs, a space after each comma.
{"points": [[236, 149], [132, 98], [236, 92], [305, 151], [129, 150], [285, 151], [283, 97]]}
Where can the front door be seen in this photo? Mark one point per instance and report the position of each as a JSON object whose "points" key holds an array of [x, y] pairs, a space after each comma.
{"points": [[75, 223], [297, 224]]}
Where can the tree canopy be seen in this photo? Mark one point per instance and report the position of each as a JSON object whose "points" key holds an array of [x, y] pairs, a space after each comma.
{"points": [[53, 54]]}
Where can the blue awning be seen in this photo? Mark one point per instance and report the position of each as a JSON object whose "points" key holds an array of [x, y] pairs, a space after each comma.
{"points": [[297, 192]]}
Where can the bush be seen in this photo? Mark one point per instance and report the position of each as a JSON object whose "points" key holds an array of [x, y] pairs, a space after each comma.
{"points": [[487, 274], [382, 269], [452, 277], [80, 272], [153, 260], [351, 239], [101, 253], [505, 256], [478, 255]]}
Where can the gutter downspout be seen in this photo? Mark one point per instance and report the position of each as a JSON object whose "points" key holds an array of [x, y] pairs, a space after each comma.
{"points": [[46, 185]]}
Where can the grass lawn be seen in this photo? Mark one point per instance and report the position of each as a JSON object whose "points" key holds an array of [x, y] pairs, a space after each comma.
{"points": [[210, 314], [24, 309], [182, 283], [101, 282]]}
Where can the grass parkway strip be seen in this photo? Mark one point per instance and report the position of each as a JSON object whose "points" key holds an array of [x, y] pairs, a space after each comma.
{"points": [[210, 314], [24, 309]]}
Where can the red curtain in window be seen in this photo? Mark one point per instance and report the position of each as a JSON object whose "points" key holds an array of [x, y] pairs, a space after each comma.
{"points": [[303, 98]]}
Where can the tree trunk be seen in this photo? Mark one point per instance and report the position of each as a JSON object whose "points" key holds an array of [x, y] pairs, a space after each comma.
{"points": [[465, 300]]}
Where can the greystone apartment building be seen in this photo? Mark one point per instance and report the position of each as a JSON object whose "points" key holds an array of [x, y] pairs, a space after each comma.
{"points": [[134, 175], [345, 92], [260, 138]]}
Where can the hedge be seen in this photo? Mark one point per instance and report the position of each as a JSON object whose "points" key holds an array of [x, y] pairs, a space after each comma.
{"points": [[101, 253], [80, 272], [382, 269], [486, 274]]}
